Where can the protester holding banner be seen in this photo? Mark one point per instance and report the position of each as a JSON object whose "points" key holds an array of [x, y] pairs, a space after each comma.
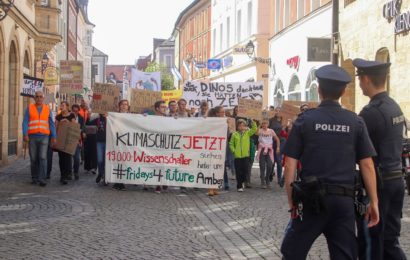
{"points": [[65, 159], [90, 146], [173, 108], [203, 109], [38, 125], [160, 110], [124, 107], [101, 125], [239, 145], [265, 152]]}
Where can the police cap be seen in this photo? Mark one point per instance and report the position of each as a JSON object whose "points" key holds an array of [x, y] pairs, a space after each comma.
{"points": [[332, 76], [366, 67]]}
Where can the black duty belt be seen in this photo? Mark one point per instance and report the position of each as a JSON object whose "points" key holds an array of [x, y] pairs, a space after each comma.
{"points": [[391, 175], [333, 189]]}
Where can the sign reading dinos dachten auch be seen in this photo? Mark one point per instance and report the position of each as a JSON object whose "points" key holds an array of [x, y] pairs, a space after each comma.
{"points": [[155, 150], [224, 94]]}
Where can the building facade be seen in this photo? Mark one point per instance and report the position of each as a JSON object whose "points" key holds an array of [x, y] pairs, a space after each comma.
{"points": [[99, 62], [193, 25], [301, 43], [380, 31], [28, 31], [235, 24]]}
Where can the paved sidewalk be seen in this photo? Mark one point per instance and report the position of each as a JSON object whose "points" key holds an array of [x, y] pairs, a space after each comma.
{"points": [[83, 220]]}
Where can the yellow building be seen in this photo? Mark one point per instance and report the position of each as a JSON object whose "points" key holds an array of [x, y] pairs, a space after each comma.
{"points": [[376, 30], [29, 30]]}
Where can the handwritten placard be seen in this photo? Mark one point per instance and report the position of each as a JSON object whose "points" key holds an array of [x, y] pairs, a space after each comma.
{"points": [[157, 150], [168, 95], [71, 77], [30, 86], [68, 137], [249, 108], [105, 98], [224, 94], [143, 99]]}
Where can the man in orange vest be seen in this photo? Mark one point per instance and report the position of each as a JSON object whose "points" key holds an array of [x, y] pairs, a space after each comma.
{"points": [[38, 126]]}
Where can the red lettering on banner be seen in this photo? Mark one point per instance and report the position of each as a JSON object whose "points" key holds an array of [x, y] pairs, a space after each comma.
{"points": [[203, 143]]}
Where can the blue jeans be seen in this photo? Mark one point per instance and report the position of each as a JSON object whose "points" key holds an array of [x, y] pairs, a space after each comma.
{"points": [[278, 160], [38, 147], [101, 158], [76, 159]]}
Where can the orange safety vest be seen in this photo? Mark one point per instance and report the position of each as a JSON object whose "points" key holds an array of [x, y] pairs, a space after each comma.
{"points": [[38, 123]]}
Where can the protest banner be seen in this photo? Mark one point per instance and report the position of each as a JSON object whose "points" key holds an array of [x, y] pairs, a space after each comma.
{"points": [[30, 86], [68, 136], [143, 99], [155, 150], [224, 94], [71, 77], [249, 108], [168, 95], [105, 98], [145, 80]]}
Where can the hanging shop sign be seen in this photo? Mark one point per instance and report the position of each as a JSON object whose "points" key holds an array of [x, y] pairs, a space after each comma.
{"points": [[392, 11], [293, 62]]}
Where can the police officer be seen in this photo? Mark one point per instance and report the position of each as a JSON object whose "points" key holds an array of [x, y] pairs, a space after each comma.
{"points": [[328, 141], [385, 122]]}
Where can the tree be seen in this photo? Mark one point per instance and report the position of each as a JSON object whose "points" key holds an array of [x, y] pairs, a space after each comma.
{"points": [[167, 81]]}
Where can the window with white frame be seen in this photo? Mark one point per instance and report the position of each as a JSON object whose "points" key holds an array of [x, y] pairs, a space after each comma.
{"points": [[214, 41], [221, 33], [228, 32], [312, 87], [249, 28], [294, 93], [168, 60], [238, 26], [278, 93]]}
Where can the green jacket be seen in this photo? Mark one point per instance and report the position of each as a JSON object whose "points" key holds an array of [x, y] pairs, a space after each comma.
{"points": [[240, 143]]}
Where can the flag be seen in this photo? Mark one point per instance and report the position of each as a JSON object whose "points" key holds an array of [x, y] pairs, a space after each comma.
{"points": [[186, 66], [176, 74], [195, 67]]}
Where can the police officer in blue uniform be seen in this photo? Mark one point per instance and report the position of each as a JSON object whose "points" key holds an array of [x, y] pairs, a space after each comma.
{"points": [[329, 141], [385, 123]]}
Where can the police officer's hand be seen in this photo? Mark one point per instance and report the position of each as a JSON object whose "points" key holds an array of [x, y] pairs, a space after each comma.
{"points": [[372, 214]]}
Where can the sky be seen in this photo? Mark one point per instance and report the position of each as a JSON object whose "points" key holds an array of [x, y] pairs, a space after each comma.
{"points": [[124, 29]]}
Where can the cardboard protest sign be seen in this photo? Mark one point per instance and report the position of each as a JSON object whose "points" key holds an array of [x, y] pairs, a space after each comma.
{"points": [[154, 150], [68, 135], [105, 98], [71, 77], [143, 99], [168, 95], [249, 108], [30, 86], [224, 94], [291, 109]]}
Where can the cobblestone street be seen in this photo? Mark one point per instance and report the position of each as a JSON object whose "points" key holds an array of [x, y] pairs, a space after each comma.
{"points": [[83, 220]]}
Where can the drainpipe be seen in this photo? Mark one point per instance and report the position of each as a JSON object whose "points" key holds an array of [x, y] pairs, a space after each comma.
{"points": [[335, 31]]}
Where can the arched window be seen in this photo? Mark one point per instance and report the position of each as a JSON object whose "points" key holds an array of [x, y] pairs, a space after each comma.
{"points": [[294, 89], [278, 93], [311, 87], [13, 100], [383, 55]]}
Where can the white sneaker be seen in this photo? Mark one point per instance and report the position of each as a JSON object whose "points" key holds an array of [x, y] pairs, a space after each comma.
{"points": [[240, 190]]}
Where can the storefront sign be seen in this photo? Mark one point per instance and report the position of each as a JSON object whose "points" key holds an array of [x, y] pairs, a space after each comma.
{"points": [[51, 76], [391, 10], [293, 62], [239, 50], [214, 64], [319, 49]]}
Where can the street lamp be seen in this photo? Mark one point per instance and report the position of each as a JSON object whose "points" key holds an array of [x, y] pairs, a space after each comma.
{"points": [[44, 62], [5, 6], [250, 49]]}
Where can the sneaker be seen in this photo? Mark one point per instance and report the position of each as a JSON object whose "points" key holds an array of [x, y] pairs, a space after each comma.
{"points": [[240, 190], [63, 182], [263, 186], [76, 176], [98, 179], [158, 189], [268, 186], [42, 184], [248, 185], [69, 177], [34, 182], [121, 187]]}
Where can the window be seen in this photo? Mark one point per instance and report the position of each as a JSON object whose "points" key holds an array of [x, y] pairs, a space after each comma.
{"points": [[311, 87], [315, 4], [277, 16], [228, 32], [301, 8], [287, 13], [294, 89], [238, 26], [249, 29], [348, 2], [278, 93], [168, 60], [221, 32]]}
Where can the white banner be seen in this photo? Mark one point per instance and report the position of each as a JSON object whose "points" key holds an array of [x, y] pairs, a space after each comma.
{"points": [[30, 86], [224, 94], [155, 150], [145, 80]]}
